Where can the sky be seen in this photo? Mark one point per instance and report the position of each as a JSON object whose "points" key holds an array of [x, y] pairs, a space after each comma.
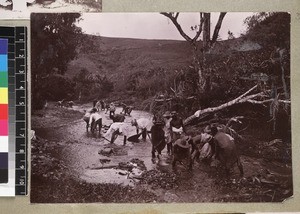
{"points": [[155, 25]]}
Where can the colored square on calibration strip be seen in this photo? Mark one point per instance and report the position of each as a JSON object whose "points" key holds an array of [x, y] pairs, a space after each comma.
{"points": [[3, 167], [3, 96], [3, 111], [3, 127], [3, 46], [3, 79], [3, 63]]}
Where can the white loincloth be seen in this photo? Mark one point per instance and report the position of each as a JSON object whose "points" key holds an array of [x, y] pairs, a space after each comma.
{"points": [[206, 151], [179, 131]]}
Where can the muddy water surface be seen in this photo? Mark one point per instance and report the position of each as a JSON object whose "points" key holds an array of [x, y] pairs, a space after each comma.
{"points": [[80, 150]]}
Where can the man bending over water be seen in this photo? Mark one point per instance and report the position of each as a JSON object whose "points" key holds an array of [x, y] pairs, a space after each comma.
{"points": [[95, 120]]}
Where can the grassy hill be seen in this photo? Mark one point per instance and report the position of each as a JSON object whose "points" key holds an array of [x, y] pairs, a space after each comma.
{"points": [[120, 58], [140, 68], [114, 56]]}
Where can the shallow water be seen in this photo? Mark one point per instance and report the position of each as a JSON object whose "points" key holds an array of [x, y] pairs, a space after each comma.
{"points": [[83, 147], [112, 176], [80, 151]]}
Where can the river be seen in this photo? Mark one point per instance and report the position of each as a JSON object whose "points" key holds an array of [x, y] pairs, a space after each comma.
{"points": [[80, 150]]}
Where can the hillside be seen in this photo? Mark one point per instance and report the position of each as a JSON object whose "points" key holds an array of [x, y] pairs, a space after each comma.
{"points": [[114, 56], [119, 58], [136, 66]]}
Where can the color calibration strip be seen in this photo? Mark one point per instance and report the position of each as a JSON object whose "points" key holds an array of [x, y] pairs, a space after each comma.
{"points": [[17, 110], [3, 111], [8, 189], [17, 105]]}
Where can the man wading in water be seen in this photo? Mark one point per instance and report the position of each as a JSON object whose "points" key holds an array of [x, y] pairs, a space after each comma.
{"points": [[95, 120], [176, 127], [168, 137]]}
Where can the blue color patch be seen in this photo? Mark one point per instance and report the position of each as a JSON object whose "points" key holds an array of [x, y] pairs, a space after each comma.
{"points": [[3, 63], [3, 46]]}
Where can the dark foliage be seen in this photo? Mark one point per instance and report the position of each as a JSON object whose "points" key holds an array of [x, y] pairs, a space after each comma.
{"points": [[58, 87], [90, 86], [55, 37], [269, 29]]}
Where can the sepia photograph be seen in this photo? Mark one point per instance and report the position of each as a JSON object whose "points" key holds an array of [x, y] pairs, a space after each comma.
{"points": [[15, 9], [167, 107]]}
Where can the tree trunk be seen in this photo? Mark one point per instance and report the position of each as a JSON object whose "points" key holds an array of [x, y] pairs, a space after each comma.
{"points": [[217, 28], [206, 31], [200, 65]]}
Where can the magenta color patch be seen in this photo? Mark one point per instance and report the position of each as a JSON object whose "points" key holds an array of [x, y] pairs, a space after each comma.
{"points": [[3, 128]]}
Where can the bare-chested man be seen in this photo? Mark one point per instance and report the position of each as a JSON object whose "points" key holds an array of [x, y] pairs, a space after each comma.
{"points": [[176, 126]]}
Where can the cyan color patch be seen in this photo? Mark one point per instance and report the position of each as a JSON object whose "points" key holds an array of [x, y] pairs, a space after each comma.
{"points": [[3, 63]]}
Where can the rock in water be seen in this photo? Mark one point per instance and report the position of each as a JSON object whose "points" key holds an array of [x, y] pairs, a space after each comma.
{"points": [[106, 151]]}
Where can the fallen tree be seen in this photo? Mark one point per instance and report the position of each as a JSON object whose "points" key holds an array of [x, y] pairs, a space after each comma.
{"points": [[245, 97]]}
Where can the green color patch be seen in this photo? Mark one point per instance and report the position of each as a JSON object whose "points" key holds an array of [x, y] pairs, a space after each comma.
{"points": [[3, 79]]}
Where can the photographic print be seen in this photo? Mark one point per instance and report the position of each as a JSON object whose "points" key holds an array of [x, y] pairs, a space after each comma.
{"points": [[15, 9], [160, 107]]}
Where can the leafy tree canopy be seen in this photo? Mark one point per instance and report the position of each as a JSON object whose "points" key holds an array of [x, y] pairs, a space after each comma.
{"points": [[269, 29], [54, 39]]}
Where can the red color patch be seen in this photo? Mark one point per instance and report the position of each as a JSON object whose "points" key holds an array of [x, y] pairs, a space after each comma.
{"points": [[3, 111]]}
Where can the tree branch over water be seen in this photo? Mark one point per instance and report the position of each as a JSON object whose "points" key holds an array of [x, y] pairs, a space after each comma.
{"points": [[240, 99]]}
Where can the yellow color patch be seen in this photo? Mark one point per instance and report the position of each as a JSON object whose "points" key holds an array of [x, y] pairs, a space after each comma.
{"points": [[3, 96]]}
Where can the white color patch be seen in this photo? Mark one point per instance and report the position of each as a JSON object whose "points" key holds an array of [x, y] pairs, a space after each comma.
{"points": [[3, 143]]}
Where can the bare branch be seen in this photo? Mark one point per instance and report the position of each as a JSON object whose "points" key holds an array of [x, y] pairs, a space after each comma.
{"points": [[200, 28], [241, 99], [176, 15], [247, 92], [225, 105], [267, 101], [217, 28], [177, 25], [244, 99], [173, 90], [173, 18]]}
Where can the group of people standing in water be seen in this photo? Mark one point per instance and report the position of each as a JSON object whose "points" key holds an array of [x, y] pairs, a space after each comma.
{"points": [[168, 131]]}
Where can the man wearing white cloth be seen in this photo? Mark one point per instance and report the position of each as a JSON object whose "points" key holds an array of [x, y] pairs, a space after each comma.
{"points": [[176, 127], [115, 129], [143, 125], [95, 120]]}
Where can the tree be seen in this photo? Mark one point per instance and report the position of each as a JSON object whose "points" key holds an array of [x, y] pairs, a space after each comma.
{"points": [[200, 65], [269, 29], [272, 31], [204, 23], [90, 85], [54, 41]]}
